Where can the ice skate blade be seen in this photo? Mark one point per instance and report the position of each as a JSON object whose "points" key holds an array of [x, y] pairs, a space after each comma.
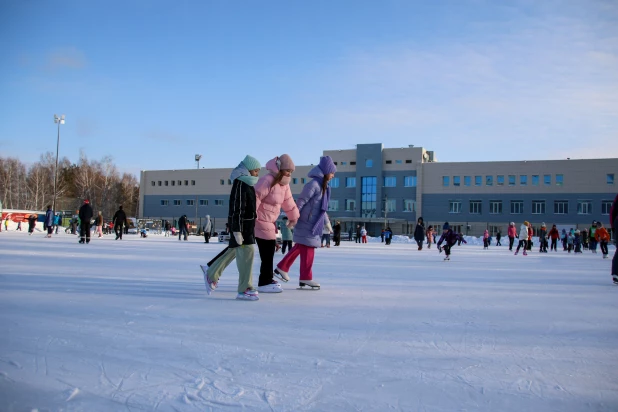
{"points": [[308, 288]]}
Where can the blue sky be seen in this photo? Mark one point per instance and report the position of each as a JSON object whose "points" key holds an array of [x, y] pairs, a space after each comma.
{"points": [[152, 83]]}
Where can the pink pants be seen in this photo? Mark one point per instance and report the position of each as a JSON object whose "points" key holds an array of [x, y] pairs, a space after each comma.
{"points": [[306, 260], [100, 230], [364, 239]]}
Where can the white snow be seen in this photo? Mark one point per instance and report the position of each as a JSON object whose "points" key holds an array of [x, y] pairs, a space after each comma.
{"points": [[127, 325]]}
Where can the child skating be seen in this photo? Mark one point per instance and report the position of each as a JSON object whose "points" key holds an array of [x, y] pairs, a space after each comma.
{"points": [[523, 238], [450, 238]]}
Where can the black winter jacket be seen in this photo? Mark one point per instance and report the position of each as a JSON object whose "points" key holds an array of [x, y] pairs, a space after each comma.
{"points": [[86, 213], [242, 213], [120, 218]]}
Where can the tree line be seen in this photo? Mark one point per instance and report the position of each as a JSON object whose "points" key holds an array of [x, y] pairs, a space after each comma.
{"points": [[32, 187]]}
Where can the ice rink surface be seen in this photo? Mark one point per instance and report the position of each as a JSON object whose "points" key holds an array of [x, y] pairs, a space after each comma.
{"points": [[127, 326]]}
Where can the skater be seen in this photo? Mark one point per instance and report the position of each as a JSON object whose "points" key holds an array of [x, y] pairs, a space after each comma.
{"points": [[613, 219], [570, 240], [337, 233], [31, 223], [168, 226], [312, 204], [450, 238], [554, 235], [49, 221], [326, 232], [419, 233], [183, 228], [388, 235], [273, 194], [241, 220], [207, 229], [286, 236], [6, 223], [602, 238], [358, 234], [565, 240], [512, 234], [485, 239], [430, 234], [543, 239], [57, 222], [586, 239], [592, 239], [523, 238], [382, 236], [498, 237], [363, 233], [98, 222], [119, 219], [19, 226], [577, 242], [85, 214], [530, 234]]}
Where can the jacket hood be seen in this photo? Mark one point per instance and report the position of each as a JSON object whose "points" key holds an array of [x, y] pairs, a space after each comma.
{"points": [[240, 170], [271, 166], [316, 173]]}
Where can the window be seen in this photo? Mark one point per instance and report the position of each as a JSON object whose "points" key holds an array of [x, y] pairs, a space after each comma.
{"points": [[166, 183], [511, 180], [409, 181], [584, 207], [467, 180], [368, 196], [368, 163], [390, 205], [523, 180], [559, 180], [561, 207], [390, 181], [165, 202], [203, 202], [152, 183], [229, 181], [454, 206], [606, 206], [192, 182], [478, 180], [222, 181], [517, 207], [409, 205], [352, 163], [476, 207], [173, 183], [335, 163], [343, 163], [495, 207], [547, 180], [186, 183], [190, 202], [303, 180], [408, 161], [535, 180], [538, 207], [489, 180], [295, 181], [456, 181], [398, 162], [333, 205], [388, 162], [334, 182], [159, 183], [177, 202], [445, 180], [180, 183], [350, 182], [350, 205], [500, 180], [218, 202], [610, 179]]}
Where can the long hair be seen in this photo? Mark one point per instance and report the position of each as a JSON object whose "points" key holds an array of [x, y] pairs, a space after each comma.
{"points": [[278, 178], [324, 185]]}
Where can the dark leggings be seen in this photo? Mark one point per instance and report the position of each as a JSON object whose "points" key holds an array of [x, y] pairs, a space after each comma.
{"points": [[522, 243], [554, 244], [511, 241], [603, 245], [287, 243], [267, 254]]}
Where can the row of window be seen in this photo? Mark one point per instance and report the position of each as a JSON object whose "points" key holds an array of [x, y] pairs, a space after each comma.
{"points": [[173, 182], [369, 162], [538, 207], [407, 205], [191, 202], [388, 181], [511, 180]]}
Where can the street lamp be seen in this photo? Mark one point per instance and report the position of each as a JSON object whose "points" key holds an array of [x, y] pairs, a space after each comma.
{"points": [[58, 121], [197, 159]]}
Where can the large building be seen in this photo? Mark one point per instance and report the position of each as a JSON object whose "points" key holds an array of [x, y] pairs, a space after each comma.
{"points": [[376, 186]]}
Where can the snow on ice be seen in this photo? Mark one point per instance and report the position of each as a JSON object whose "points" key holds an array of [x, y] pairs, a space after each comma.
{"points": [[127, 325]]}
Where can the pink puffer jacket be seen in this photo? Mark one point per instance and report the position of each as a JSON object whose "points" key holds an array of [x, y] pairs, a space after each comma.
{"points": [[270, 201]]}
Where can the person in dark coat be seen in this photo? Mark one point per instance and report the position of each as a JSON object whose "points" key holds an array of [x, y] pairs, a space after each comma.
{"points": [[49, 221], [613, 218], [182, 227], [337, 233], [450, 238], [119, 220], [31, 223], [498, 237], [358, 234], [85, 215], [419, 233]]}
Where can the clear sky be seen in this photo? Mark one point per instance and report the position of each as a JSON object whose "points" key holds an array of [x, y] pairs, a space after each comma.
{"points": [[152, 83]]}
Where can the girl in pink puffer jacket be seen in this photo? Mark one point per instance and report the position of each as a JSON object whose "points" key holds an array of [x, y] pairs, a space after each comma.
{"points": [[272, 193]]}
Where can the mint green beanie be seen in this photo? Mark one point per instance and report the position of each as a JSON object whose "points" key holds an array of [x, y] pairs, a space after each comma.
{"points": [[251, 163]]}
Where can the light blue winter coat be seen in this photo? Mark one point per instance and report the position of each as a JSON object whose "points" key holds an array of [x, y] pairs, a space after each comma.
{"points": [[310, 203]]}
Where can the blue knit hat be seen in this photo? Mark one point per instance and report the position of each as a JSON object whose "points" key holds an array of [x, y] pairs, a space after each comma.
{"points": [[446, 226], [327, 165], [251, 163]]}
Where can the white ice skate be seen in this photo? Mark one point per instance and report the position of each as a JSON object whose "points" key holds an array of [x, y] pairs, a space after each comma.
{"points": [[281, 275], [274, 287], [210, 286], [447, 258], [311, 283], [248, 294]]}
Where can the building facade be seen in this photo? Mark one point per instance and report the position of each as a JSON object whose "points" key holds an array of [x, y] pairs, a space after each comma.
{"points": [[376, 186]]}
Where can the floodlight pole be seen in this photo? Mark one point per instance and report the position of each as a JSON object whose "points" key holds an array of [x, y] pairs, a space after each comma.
{"points": [[59, 121]]}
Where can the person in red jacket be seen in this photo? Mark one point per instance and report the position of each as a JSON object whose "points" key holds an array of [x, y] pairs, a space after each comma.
{"points": [[530, 234], [613, 219], [554, 235], [602, 237], [512, 234]]}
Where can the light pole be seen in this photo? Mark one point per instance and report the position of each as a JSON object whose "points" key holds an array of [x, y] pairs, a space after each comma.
{"points": [[197, 159], [58, 121]]}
